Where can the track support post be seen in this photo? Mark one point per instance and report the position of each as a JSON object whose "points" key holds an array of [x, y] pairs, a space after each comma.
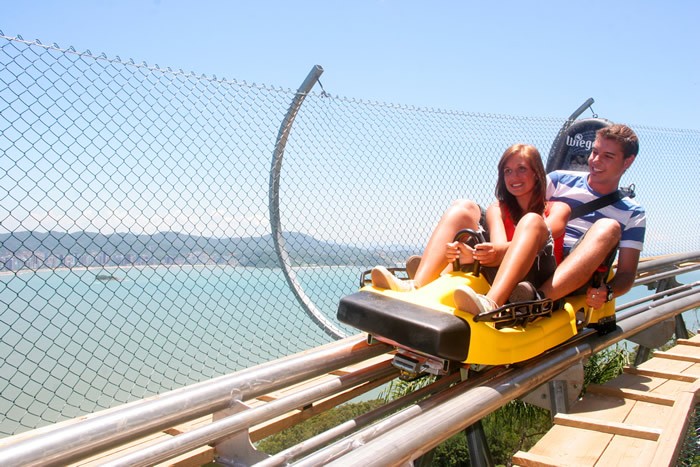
{"points": [[560, 393]]}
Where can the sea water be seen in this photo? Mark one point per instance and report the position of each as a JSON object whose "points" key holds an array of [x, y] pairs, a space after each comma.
{"points": [[71, 343]]}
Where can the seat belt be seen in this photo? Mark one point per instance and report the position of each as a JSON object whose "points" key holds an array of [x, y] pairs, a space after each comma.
{"points": [[599, 203]]}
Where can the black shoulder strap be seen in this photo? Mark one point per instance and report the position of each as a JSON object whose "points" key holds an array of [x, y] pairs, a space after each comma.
{"points": [[596, 204]]}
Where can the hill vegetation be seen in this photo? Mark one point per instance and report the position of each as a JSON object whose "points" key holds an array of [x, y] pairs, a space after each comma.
{"points": [[36, 250]]}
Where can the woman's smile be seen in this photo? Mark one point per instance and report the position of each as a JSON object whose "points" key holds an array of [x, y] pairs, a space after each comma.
{"points": [[519, 177]]}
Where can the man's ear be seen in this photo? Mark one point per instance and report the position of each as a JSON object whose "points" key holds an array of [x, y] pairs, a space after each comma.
{"points": [[628, 161]]}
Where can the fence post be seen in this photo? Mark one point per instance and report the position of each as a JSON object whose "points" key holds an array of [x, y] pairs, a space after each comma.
{"points": [[274, 206]]}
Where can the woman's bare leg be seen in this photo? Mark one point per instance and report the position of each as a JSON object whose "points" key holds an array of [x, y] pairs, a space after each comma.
{"points": [[531, 234], [463, 214]]}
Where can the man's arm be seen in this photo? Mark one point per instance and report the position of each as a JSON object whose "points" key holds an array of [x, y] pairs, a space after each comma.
{"points": [[627, 261], [626, 271]]}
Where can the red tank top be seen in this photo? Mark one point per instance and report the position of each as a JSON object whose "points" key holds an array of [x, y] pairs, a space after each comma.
{"points": [[510, 231]]}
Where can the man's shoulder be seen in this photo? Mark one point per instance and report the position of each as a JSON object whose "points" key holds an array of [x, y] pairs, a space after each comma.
{"points": [[567, 184], [631, 205], [568, 177]]}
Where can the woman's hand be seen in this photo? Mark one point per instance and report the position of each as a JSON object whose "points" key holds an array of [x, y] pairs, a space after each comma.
{"points": [[455, 250], [488, 254]]}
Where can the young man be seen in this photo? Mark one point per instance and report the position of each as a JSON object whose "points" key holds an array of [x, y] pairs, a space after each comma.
{"points": [[591, 238]]}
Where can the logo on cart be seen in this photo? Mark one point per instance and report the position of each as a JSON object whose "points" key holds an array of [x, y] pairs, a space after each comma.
{"points": [[578, 142]]}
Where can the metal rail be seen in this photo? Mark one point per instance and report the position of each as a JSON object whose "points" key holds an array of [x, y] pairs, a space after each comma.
{"points": [[119, 426], [459, 407], [398, 438], [220, 429]]}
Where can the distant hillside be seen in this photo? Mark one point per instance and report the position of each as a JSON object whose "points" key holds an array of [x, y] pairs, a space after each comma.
{"points": [[36, 250]]}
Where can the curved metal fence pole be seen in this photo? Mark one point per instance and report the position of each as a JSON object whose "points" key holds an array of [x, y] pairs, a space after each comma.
{"points": [[569, 121], [582, 108], [274, 206]]}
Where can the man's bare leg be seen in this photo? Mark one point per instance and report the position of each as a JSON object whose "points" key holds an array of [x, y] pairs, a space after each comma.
{"points": [[582, 262]]}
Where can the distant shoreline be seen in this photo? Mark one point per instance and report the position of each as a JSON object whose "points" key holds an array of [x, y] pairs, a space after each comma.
{"points": [[108, 269], [65, 268]]}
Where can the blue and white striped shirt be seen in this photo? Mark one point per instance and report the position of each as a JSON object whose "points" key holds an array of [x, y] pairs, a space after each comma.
{"points": [[572, 188]]}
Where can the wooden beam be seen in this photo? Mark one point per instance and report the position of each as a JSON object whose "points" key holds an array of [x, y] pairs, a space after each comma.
{"points": [[671, 440], [630, 370], [604, 426], [632, 394], [676, 356], [528, 459]]}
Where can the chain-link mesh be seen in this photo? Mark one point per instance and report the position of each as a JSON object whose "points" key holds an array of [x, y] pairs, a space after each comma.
{"points": [[136, 254]]}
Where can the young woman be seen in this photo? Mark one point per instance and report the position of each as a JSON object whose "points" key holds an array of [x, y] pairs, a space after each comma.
{"points": [[521, 226]]}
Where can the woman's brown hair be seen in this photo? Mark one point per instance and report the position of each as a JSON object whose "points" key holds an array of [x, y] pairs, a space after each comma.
{"points": [[537, 200]]}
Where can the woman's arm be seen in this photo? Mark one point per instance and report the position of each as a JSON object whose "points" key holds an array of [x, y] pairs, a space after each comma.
{"points": [[558, 217], [494, 221], [492, 252]]}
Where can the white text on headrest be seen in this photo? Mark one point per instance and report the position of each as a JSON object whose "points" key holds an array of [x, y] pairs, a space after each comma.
{"points": [[578, 142]]}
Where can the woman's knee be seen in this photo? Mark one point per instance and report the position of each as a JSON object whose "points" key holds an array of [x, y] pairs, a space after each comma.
{"points": [[533, 220], [466, 205], [532, 223], [533, 226], [465, 209]]}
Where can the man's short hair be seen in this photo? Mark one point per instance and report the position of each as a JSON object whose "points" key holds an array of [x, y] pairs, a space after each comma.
{"points": [[623, 135]]}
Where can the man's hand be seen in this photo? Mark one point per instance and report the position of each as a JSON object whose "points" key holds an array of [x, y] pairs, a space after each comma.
{"points": [[596, 296]]}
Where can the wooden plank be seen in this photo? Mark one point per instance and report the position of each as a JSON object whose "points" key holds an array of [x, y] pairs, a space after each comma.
{"points": [[695, 338], [693, 370], [649, 415], [572, 446], [670, 442], [660, 374], [613, 428], [267, 398], [633, 394], [626, 451], [663, 364], [678, 356], [528, 459], [638, 382], [603, 407], [672, 388], [189, 426], [639, 418], [691, 349], [691, 342]]}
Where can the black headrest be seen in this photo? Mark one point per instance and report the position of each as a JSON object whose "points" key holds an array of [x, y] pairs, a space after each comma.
{"points": [[571, 148]]}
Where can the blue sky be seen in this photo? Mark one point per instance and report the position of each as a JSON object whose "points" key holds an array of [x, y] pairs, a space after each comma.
{"points": [[639, 60]]}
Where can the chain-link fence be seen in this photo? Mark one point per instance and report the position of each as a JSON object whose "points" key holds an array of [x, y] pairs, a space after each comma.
{"points": [[135, 218]]}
